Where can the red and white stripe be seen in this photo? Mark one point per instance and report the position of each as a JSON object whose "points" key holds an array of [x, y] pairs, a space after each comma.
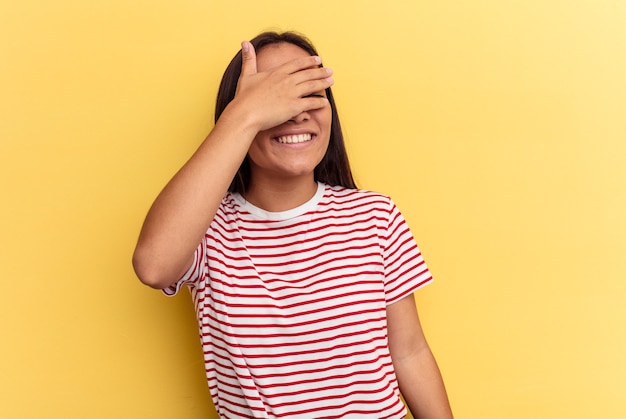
{"points": [[291, 305]]}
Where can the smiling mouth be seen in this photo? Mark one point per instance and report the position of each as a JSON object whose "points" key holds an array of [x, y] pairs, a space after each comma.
{"points": [[294, 139]]}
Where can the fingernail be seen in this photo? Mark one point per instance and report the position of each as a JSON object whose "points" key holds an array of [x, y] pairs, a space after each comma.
{"points": [[329, 70], [244, 46], [318, 59], [330, 80]]}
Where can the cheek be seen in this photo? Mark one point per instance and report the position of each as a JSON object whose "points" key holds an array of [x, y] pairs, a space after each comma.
{"points": [[255, 152], [326, 117], [326, 122]]}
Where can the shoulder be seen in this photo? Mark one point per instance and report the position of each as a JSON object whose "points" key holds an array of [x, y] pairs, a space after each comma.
{"points": [[229, 210], [341, 192], [232, 203], [340, 196]]}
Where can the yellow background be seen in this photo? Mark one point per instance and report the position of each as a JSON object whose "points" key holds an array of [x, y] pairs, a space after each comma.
{"points": [[498, 127]]}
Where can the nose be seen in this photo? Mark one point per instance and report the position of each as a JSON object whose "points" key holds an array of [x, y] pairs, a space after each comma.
{"points": [[301, 117]]}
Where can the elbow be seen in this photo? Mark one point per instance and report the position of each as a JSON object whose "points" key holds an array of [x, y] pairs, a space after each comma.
{"points": [[148, 272]]}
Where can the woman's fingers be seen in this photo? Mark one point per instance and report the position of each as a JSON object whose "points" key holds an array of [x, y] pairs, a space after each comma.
{"points": [[276, 94], [248, 59], [318, 73], [299, 64], [311, 87], [313, 102]]}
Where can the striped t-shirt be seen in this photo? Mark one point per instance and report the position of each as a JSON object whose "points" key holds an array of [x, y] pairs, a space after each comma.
{"points": [[291, 305]]}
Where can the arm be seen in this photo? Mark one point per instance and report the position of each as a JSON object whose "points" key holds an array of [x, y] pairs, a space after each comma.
{"points": [[419, 378], [184, 209]]}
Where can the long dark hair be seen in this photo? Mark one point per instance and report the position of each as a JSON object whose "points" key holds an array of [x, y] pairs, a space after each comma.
{"points": [[334, 169]]}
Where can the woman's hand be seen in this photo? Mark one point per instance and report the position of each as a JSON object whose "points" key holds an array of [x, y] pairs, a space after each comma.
{"points": [[278, 94], [184, 209]]}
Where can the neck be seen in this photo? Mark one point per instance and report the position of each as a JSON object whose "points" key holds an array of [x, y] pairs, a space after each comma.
{"points": [[281, 196]]}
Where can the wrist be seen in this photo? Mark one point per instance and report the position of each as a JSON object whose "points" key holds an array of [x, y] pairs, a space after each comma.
{"points": [[237, 117]]}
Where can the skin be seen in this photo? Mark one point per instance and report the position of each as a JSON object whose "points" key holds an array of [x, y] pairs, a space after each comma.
{"points": [[278, 170], [184, 209], [280, 92], [418, 375]]}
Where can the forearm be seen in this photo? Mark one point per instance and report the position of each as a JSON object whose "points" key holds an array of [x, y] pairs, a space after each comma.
{"points": [[184, 209], [418, 375], [422, 386]]}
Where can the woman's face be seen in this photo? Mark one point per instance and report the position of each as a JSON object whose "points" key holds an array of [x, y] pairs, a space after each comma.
{"points": [[294, 148]]}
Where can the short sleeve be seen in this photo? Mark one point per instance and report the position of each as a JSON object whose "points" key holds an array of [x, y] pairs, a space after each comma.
{"points": [[404, 266], [193, 274]]}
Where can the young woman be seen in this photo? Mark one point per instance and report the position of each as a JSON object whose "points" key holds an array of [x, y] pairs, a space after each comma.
{"points": [[302, 283]]}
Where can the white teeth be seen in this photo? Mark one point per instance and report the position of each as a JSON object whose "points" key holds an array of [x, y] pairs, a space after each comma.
{"points": [[293, 139]]}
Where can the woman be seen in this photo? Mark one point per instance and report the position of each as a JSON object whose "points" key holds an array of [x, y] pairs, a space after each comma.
{"points": [[302, 283]]}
